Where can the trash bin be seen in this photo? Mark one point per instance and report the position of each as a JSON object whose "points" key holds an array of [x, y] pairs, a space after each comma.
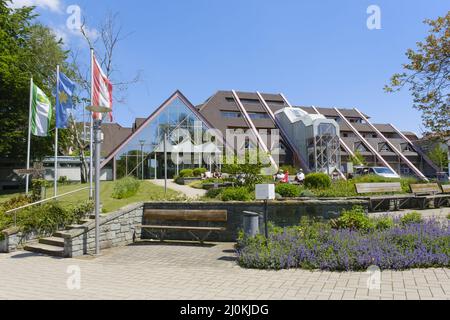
{"points": [[251, 223]]}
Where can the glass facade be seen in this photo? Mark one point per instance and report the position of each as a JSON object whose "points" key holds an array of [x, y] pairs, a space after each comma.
{"points": [[143, 156]]}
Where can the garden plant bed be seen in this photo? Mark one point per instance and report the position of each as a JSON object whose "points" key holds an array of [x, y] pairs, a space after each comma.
{"points": [[390, 244]]}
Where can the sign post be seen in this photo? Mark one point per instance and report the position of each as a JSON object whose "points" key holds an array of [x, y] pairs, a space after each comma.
{"points": [[265, 192]]}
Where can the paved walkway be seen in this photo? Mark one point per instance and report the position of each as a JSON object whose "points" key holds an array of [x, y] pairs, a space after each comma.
{"points": [[156, 271], [189, 192], [441, 213]]}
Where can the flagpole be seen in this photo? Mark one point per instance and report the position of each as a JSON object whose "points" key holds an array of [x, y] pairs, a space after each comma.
{"points": [[29, 136], [91, 147], [55, 180]]}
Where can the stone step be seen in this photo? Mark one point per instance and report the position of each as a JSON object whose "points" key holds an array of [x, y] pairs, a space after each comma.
{"points": [[59, 234], [46, 249], [75, 226], [53, 241]]}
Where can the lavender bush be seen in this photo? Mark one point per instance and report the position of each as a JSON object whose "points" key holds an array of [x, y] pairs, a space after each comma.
{"points": [[316, 245]]}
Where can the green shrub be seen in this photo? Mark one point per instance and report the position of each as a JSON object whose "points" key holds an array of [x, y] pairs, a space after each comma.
{"points": [[125, 188], [411, 218], [16, 202], [448, 217], [236, 194], [355, 219], [384, 223], [187, 173], [318, 181], [49, 218], [199, 172], [338, 189], [63, 180], [287, 190], [214, 193]]}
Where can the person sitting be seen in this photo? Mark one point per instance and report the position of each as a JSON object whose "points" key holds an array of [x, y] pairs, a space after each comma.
{"points": [[279, 177], [286, 177], [300, 177]]}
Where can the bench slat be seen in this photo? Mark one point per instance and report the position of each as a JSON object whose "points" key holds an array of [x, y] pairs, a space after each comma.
{"points": [[446, 188], [186, 215], [430, 188], [362, 188]]}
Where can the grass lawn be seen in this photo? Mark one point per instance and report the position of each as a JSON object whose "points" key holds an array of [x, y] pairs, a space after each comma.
{"points": [[147, 192]]}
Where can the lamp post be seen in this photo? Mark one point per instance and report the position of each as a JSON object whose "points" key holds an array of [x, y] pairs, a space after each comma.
{"points": [[142, 143], [97, 147]]}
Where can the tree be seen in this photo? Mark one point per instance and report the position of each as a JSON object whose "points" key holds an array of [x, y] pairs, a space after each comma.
{"points": [[358, 159], [111, 35], [27, 50], [439, 156], [427, 74], [248, 173]]}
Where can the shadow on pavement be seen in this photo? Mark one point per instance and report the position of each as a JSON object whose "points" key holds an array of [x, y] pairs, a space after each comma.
{"points": [[172, 243]]}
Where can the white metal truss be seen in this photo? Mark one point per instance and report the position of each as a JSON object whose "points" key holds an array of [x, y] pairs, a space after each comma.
{"points": [[417, 149], [283, 133], [394, 148], [363, 140], [255, 131], [346, 147], [336, 151]]}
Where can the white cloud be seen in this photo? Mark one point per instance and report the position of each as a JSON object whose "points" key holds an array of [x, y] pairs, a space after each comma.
{"points": [[52, 5]]}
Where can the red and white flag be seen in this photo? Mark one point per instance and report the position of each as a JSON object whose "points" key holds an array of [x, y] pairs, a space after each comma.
{"points": [[101, 89]]}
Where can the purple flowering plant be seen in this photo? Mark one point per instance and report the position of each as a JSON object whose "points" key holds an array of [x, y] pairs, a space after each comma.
{"points": [[388, 243]]}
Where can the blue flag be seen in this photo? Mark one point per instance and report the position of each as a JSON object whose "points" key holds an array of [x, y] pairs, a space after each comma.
{"points": [[64, 101]]}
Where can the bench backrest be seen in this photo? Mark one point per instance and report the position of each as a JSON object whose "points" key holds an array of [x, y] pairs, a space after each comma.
{"points": [[429, 188], [362, 188], [445, 188], [186, 215]]}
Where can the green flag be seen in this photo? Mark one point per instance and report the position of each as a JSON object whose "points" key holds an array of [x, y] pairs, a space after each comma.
{"points": [[42, 113]]}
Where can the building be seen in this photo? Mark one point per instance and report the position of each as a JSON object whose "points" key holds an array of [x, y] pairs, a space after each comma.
{"points": [[316, 139]]}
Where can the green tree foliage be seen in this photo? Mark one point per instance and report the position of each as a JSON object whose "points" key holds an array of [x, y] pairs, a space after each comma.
{"points": [[439, 156], [27, 50], [248, 173], [358, 159], [427, 76]]}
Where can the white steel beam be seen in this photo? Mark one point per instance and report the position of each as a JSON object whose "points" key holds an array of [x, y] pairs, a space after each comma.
{"points": [[417, 149], [253, 128], [283, 133], [394, 148], [363, 140]]}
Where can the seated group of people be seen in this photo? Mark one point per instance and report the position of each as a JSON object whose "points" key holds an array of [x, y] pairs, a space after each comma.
{"points": [[283, 177], [209, 175]]}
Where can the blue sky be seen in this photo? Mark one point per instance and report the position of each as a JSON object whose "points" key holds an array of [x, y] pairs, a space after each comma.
{"points": [[316, 52]]}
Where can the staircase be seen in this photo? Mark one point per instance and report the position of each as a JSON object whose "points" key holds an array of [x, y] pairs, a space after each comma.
{"points": [[52, 246]]}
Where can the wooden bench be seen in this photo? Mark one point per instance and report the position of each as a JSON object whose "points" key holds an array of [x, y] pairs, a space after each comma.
{"points": [[184, 217], [425, 193], [375, 202]]}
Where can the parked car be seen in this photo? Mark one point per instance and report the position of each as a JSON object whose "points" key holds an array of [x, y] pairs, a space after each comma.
{"points": [[378, 171]]}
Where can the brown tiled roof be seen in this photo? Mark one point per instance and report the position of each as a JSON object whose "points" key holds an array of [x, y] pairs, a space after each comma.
{"points": [[114, 134], [330, 112]]}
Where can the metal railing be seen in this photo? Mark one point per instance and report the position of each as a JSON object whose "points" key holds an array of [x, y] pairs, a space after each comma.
{"points": [[41, 202]]}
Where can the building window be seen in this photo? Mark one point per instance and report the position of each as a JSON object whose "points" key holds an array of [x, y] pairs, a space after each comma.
{"points": [[258, 115], [231, 114]]}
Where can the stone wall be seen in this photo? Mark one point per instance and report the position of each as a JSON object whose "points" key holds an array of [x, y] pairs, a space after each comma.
{"points": [[13, 240], [116, 229], [281, 213]]}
